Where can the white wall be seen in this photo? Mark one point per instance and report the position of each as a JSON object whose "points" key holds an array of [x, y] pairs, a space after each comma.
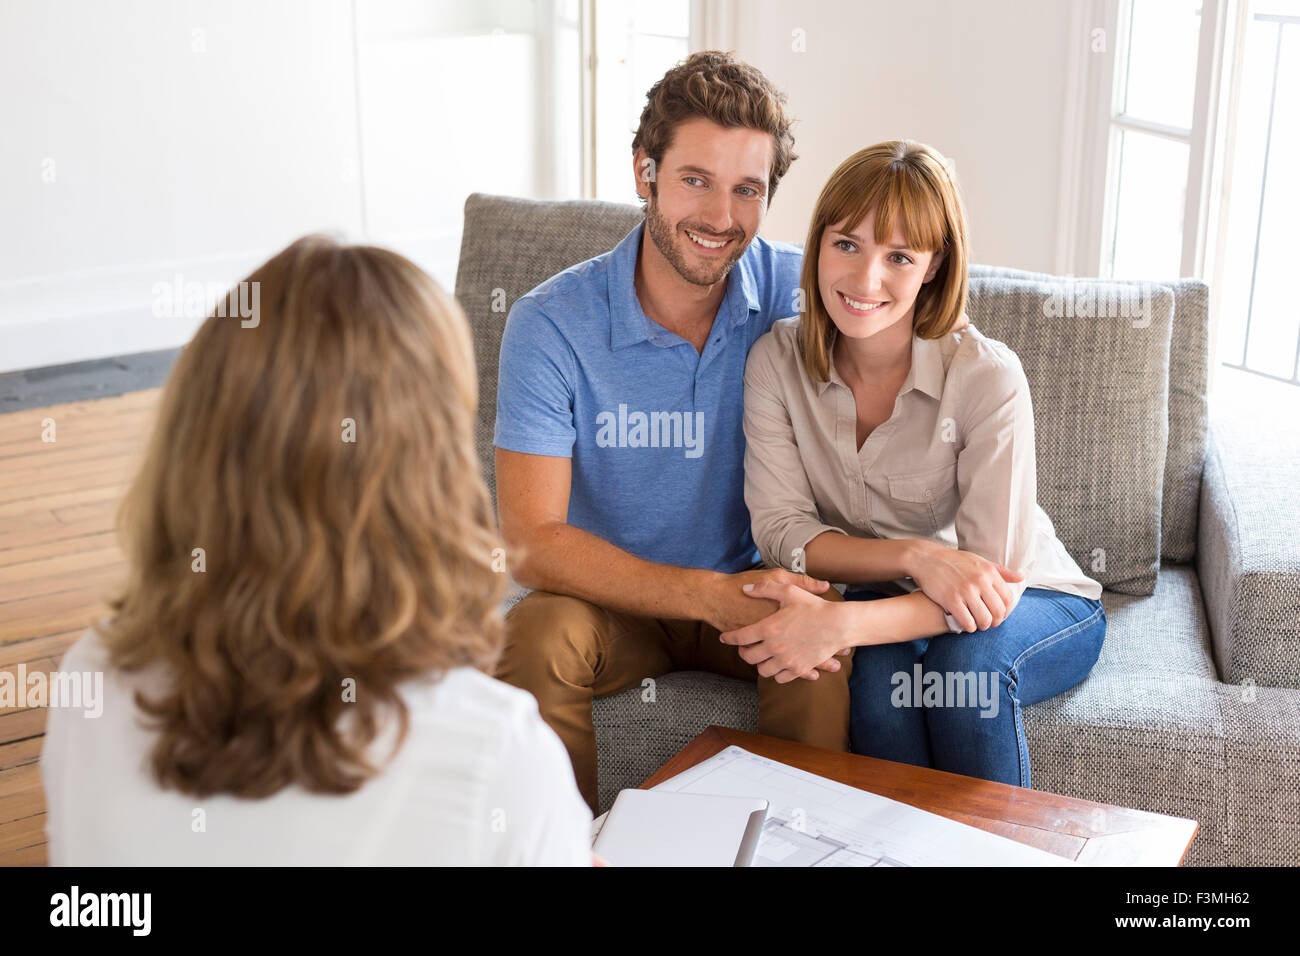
{"points": [[983, 82], [145, 139]]}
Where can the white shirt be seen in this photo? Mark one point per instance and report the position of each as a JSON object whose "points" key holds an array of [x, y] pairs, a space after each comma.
{"points": [[479, 780], [954, 463]]}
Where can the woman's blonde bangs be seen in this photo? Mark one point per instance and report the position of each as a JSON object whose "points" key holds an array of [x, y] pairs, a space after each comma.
{"points": [[898, 199]]}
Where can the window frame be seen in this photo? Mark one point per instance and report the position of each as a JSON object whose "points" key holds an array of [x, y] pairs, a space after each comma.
{"points": [[1200, 137], [711, 28], [1094, 125]]}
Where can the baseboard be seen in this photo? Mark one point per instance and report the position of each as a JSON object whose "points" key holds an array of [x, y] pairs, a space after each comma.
{"points": [[78, 381]]}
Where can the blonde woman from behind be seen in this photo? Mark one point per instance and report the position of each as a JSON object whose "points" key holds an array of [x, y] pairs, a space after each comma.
{"points": [[296, 669]]}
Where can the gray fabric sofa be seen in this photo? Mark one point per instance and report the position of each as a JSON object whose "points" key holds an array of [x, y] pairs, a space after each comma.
{"points": [[1194, 706]]}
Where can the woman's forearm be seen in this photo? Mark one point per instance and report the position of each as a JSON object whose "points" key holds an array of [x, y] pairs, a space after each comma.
{"points": [[894, 620], [844, 558]]}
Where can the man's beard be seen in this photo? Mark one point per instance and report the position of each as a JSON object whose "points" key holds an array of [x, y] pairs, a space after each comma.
{"points": [[666, 241]]}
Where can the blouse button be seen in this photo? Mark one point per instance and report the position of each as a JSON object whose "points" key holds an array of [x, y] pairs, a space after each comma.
{"points": [[929, 493]]}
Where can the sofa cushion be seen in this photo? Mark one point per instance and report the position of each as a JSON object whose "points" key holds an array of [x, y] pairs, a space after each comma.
{"points": [[1189, 370], [1152, 728], [1189, 378], [1100, 387]]}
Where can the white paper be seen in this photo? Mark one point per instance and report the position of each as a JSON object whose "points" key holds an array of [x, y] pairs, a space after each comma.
{"points": [[814, 821]]}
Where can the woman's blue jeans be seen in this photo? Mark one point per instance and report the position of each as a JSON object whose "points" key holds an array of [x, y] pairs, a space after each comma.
{"points": [[953, 702]]}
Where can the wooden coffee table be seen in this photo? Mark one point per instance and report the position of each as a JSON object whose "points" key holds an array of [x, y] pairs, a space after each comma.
{"points": [[1095, 834]]}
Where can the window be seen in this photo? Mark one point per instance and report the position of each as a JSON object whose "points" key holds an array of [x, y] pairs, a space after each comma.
{"points": [[636, 44], [530, 98], [1151, 139], [1202, 139], [461, 98], [1259, 325]]}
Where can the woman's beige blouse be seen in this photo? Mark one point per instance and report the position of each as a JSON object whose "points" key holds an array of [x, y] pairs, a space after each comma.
{"points": [[954, 463]]}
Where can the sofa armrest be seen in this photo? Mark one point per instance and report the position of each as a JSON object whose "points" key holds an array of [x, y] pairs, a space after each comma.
{"points": [[1248, 551]]}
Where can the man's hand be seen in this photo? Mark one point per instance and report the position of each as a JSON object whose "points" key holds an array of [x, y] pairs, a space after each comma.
{"points": [[728, 607], [805, 634], [970, 588]]}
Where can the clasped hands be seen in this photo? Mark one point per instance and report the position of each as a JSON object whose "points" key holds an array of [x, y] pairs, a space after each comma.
{"points": [[802, 635], [795, 633]]}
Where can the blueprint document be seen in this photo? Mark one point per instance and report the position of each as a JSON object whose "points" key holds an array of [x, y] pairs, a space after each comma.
{"points": [[814, 821]]}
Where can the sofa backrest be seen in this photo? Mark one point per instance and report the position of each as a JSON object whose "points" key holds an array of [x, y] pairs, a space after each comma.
{"points": [[1189, 373], [511, 245], [1096, 356]]}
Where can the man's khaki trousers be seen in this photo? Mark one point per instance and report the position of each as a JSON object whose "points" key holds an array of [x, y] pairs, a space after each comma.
{"points": [[565, 651]]}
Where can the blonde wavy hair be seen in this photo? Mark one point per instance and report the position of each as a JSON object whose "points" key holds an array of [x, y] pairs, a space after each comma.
{"points": [[329, 555], [908, 184]]}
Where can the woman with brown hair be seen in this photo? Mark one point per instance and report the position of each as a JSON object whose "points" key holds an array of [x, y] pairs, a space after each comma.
{"points": [[296, 670], [890, 446]]}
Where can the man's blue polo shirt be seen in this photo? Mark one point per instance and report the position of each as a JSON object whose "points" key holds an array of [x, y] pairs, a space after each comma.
{"points": [[653, 428]]}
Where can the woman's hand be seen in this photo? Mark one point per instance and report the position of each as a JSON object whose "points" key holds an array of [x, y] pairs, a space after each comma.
{"points": [[805, 634], [971, 588]]}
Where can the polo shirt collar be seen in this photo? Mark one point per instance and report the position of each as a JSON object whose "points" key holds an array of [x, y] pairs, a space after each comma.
{"points": [[628, 322], [742, 291]]}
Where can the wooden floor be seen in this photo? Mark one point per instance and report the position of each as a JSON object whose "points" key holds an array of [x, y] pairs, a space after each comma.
{"points": [[59, 561]]}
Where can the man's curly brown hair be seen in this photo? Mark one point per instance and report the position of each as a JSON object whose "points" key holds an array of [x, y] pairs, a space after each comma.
{"points": [[721, 88]]}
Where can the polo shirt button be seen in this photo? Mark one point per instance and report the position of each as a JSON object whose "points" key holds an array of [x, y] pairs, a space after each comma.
{"points": [[929, 493]]}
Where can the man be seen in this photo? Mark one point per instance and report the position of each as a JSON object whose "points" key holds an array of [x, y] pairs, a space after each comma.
{"points": [[620, 451]]}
